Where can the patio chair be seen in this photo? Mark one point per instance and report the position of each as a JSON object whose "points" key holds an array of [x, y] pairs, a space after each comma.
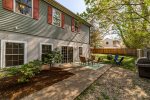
{"points": [[83, 60], [116, 58], [92, 57], [99, 60], [118, 62], [92, 60]]}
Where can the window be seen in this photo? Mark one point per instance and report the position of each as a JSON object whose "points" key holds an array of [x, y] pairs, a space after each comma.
{"points": [[56, 17], [67, 54], [24, 7], [45, 49], [80, 51], [14, 55]]}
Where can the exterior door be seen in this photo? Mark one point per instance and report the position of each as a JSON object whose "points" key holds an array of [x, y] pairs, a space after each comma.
{"points": [[67, 54]]}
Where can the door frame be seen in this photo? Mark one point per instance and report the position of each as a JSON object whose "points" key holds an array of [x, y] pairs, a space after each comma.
{"points": [[67, 51]]}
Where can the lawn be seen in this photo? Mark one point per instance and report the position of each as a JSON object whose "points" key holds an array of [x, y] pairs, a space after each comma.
{"points": [[127, 63]]}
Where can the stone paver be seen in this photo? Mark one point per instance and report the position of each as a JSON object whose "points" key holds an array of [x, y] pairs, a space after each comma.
{"points": [[69, 88]]}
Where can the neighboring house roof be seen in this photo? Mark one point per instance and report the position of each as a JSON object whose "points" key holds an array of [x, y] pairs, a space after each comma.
{"points": [[65, 10]]}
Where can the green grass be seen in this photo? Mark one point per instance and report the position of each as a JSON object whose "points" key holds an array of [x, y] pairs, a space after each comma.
{"points": [[127, 63]]}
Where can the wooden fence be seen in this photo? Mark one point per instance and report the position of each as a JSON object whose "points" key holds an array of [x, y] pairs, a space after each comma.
{"points": [[120, 51]]}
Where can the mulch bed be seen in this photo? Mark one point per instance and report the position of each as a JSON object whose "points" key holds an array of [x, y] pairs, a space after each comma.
{"points": [[11, 89]]}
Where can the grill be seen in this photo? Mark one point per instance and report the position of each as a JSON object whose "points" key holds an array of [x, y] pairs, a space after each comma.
{"points": [[143, 65]]}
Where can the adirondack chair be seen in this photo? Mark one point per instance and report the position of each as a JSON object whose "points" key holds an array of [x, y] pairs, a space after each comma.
{"points": [[120, 61], [116, 58], [117, 61]]}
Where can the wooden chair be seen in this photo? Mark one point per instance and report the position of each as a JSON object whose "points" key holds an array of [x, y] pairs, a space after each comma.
{"points": [[99, 60], [92, 59], [83, 59]]}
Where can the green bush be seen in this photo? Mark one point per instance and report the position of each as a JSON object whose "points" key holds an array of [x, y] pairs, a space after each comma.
{"points": [[52, 57], [109, 57], [26, 71]]}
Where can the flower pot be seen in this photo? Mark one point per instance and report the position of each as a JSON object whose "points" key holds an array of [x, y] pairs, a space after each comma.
{"points": [[45, 67], [57, 65]]}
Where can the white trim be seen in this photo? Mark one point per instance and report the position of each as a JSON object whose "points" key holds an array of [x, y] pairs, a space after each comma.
{"points": [[14, 9], [3, 50], [41, 48]]}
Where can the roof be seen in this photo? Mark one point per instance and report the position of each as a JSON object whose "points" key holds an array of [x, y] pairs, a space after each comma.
{"points": [[65, 10]]}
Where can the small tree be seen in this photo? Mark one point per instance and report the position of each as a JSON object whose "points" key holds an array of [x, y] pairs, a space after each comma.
{"points": [[52, 57], [95, 39]]}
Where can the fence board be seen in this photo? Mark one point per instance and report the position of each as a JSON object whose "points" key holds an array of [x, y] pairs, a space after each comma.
{"points": [[120, 51]]}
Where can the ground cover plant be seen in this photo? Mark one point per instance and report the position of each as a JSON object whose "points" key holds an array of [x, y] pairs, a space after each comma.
{"points": [[24, 72]]}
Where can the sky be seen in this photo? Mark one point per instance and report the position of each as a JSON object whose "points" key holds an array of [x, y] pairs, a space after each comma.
{"points": [[73, 5]]}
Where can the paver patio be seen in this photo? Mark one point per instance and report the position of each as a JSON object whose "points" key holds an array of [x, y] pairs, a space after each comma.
{"points": [[69, 88]]}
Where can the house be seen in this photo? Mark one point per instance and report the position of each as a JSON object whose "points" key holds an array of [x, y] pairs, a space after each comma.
{"points": [[111, 43], [30, 28]]}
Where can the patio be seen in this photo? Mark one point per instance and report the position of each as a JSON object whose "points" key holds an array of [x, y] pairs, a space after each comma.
{"points": [[118, 84], [69, 88]]}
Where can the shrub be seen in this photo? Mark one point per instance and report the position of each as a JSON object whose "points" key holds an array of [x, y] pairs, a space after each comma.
{"points": [[109, 57], [52, 57], [26, 71]]}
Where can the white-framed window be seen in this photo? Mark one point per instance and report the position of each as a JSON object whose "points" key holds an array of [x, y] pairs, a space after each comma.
{"points": [[44, 49], [24, 7], [56, 16], [13, 53]]}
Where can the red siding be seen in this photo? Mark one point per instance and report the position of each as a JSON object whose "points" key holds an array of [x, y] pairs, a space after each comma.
{"points": [[72, 25], [36, 9], [8, 4], [49, 15], [62, 20]]}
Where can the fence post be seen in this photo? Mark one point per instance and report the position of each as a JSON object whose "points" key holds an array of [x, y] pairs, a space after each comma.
{"points": [[139, 53]]}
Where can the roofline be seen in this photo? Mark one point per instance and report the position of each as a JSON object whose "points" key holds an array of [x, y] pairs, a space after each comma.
{"points": [[75, 15]]}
